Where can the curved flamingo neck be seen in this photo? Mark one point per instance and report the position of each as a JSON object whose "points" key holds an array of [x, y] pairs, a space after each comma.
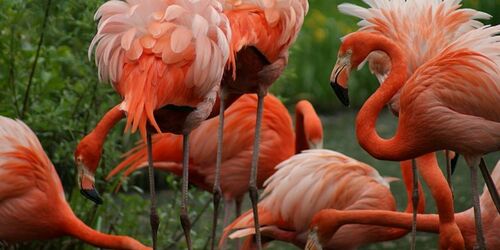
{"points": [[80, 230], [307, 126], [109, 120], [385, 149]]}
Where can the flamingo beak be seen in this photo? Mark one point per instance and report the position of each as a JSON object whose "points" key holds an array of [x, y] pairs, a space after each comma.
{"points": [[338, 80], [86, 181]]}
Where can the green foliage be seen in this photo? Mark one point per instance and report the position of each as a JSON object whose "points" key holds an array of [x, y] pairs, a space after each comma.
{"points": [[66, 100]]}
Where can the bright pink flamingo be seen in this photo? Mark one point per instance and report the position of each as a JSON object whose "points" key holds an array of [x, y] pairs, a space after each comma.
{"points": [[32, 203], [166, 60], [448, 103], [262, 33], [309, 182], [330, 220], [278, 144], [421, 28]]}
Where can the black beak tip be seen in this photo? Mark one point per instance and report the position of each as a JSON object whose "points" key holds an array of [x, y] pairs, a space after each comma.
{"points": [[92, 195], [341, 92]]}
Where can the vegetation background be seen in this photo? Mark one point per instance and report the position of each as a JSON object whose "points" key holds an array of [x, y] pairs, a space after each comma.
{"points": [[47, 80]]}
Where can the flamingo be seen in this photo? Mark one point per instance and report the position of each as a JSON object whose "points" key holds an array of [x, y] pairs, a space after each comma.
{"points": [[32, 202], [422, 29], [447, 103], [262, 33], [277, 145], [166, 60], [330, 220], [314, 180]]}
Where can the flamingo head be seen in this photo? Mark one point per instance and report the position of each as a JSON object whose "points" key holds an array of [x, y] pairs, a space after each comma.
{"points": [[87, 155], [352, 53]]}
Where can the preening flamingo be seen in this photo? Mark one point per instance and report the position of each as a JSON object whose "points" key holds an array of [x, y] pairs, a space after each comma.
{"points": [[309, 182], [32, 202], [422, 29], [278, 144], [330, 220], [166, 59], [262, 33], [447, 103]]}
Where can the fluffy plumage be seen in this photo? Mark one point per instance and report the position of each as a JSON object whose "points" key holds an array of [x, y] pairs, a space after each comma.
{"points": [[157, 53], [309, 182], [421, 28]]}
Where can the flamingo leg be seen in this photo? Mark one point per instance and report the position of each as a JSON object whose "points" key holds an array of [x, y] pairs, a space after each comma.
{"points": [[480, 242], [186, 223], [448, 170], [217, 192], [449, 236], [490, 184], [414, 202], [254, 194], [154, 218], [238, 202]]}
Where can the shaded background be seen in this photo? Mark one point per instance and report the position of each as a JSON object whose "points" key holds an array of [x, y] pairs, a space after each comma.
{"points": [[47, 80]]}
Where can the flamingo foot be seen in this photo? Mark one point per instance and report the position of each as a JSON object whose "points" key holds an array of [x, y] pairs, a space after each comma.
{"points": [[450, 237]]}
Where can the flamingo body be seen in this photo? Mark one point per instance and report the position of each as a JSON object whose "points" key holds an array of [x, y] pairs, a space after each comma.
{"points": [[159, 53], [32, 202], [309, 182]]}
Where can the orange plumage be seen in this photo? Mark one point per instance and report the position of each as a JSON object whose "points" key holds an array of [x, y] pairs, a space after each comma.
{"points": [[32, 202], [278, 144]]}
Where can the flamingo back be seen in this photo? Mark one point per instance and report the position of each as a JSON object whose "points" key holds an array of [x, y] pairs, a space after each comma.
{"points": [[269, 25], [421, 28], [29, 183], [22, 154], [324, 179], [309, 182], [157, 53]]}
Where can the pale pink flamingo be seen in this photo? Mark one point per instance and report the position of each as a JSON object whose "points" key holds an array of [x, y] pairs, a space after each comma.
{"points": [[330, 220], [309, 182], [449, 103], [32, 202], [166, 60], [422, 29]]}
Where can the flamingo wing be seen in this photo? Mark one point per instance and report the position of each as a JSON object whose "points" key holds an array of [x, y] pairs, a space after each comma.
{"points": [[315, 180], [22, 155], [462, 82]]}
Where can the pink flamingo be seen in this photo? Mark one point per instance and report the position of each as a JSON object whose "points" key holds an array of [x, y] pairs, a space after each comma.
{"points": [[32, 203], [309, 182], [431, 116], [166, 59], [421, 28]]}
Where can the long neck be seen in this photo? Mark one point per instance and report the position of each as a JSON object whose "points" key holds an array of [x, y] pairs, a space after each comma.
{"points": [[300, 133], [78, 229], [386, 149], [109, 120], [308, 127], [400, 220]]}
